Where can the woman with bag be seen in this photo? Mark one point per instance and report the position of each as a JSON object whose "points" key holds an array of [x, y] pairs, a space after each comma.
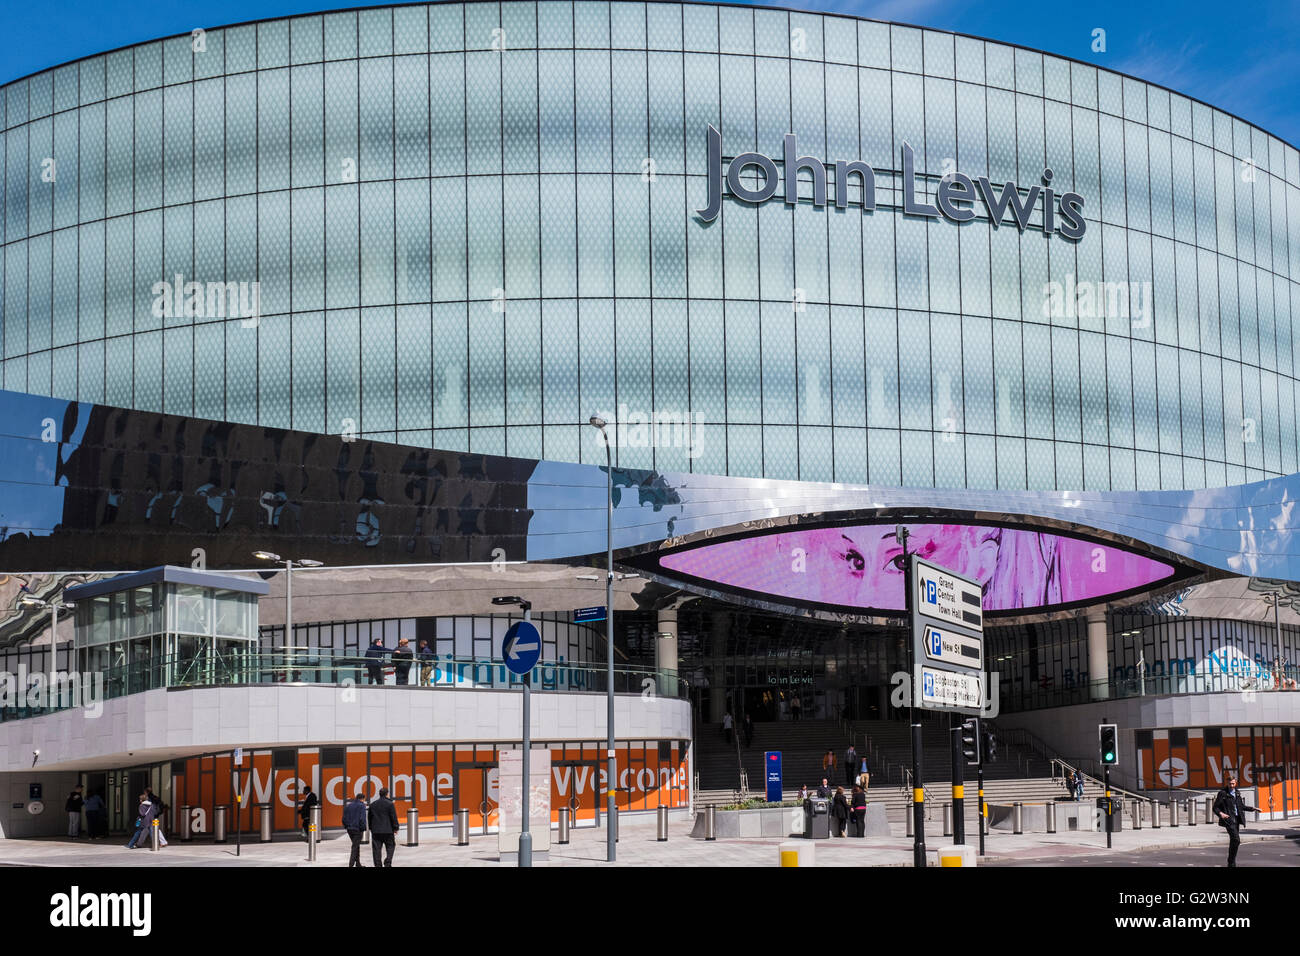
{"points": [[859, 811], [840, 811]]}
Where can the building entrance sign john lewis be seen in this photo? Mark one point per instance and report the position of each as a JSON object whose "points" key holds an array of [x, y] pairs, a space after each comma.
{"points": [[955, 200]]}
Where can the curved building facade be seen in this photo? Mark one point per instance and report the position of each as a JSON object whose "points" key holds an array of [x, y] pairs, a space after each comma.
{"points": [[469, 226]]}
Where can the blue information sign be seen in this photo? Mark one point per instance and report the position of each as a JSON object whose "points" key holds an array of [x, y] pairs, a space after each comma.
{"points": [[522, 647], [585, 615], [772, 774]]}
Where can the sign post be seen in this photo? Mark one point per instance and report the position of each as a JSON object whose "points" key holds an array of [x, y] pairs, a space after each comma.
{"points": [[239, 798], [521, 649], [772, 774], [947, 650]]}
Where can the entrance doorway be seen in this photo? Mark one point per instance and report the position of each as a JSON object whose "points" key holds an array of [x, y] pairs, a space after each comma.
{"points": [[578, 789], [475, 790]]}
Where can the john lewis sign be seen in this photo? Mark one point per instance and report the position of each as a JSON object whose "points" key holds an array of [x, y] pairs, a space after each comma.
{"points": [[955, 201]]}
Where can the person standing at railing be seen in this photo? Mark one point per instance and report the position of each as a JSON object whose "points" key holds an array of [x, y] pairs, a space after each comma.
{"points": [[850, 764], [375, 655], [748, 727], [426, 656], [402, 660]]}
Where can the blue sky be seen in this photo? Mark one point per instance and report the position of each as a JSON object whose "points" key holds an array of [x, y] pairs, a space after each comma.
{"points": [[1241, 58]]}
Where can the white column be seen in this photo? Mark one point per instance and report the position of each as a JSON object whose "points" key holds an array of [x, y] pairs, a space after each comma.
{"points": [[666, 648], [1098, 657]]}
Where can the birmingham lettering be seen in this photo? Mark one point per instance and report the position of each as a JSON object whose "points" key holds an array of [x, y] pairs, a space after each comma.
{"points": [[955, 200]]}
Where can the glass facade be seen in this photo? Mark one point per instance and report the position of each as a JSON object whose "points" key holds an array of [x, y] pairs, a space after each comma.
{"points": [[473, 225]]}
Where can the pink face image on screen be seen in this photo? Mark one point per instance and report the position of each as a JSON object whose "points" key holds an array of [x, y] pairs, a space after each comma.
{"points": [[854, 566]]}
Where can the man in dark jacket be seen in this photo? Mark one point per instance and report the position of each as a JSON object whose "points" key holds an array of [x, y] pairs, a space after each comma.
{"points": [[73, 806], [375, 655], [402, 658], [383, 827], [354, 821], [1231, 811], [426, 656], [309, 800]]}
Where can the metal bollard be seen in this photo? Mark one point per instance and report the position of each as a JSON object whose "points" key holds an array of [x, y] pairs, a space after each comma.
{"points": [[1191, 810], [1173, 813], [1155, 814], [316, 822], [219, 825], [1137, 814], [947, 819], [413, 827], [265, 821], [710, 822], [1209, 810], [564, 826], [154, 830], [910, 821], [460, 827], [662, 829], [186, 828], [1017, 817], [1051, 816], [313, 835]]}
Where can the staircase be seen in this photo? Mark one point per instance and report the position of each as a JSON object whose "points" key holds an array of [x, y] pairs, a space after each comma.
{"points": [[888, 747], [802, 744]]}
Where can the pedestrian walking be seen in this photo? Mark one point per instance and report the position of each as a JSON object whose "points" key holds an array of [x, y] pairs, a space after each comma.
{"points": [[402, 659], [354, 822], [383, 827], [727, 726], [828, 763], [840, 811], [73, 806], [796, 707], [850, 764], [309, 800], [375, 655], [426, 656], [864, 775], [749, 730], [148, 812], [1232, 810]]}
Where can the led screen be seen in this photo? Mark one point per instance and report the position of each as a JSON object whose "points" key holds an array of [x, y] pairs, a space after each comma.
{"points": [[854, 566]]}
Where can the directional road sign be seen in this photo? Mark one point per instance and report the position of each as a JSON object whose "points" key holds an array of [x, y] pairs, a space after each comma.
{"points": [[944, 690], [949, 647], [522, 647], [943, 596]]}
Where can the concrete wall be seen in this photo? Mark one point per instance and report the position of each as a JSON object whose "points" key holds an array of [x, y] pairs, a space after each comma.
{"points": [[163, 724], [16, 821]]}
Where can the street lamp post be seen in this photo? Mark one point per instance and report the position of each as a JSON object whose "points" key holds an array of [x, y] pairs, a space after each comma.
{"points": [[611, 836], [288, 589], [55, 606]]}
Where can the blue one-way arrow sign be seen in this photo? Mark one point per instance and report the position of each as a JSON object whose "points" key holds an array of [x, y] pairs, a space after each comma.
{"points": [[522, 647]]}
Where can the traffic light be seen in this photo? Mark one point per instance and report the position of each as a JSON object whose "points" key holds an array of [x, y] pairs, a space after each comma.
{"points": [[970, 740], [1109, 737]]}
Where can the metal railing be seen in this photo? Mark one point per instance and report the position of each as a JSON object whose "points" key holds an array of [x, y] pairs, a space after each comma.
{"points": [[1098, 779], [1166, 685], [313, 666]]}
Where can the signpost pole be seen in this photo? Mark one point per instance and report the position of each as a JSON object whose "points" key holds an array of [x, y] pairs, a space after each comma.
{"points": [[239, 798], [1106, 774], [918, 787], [958, 783], [980, 773], [526, 838]]}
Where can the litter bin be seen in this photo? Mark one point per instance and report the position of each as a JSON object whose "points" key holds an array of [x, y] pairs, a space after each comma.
{"points": [[1112, 822], [817, 818], [264, 821]]}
